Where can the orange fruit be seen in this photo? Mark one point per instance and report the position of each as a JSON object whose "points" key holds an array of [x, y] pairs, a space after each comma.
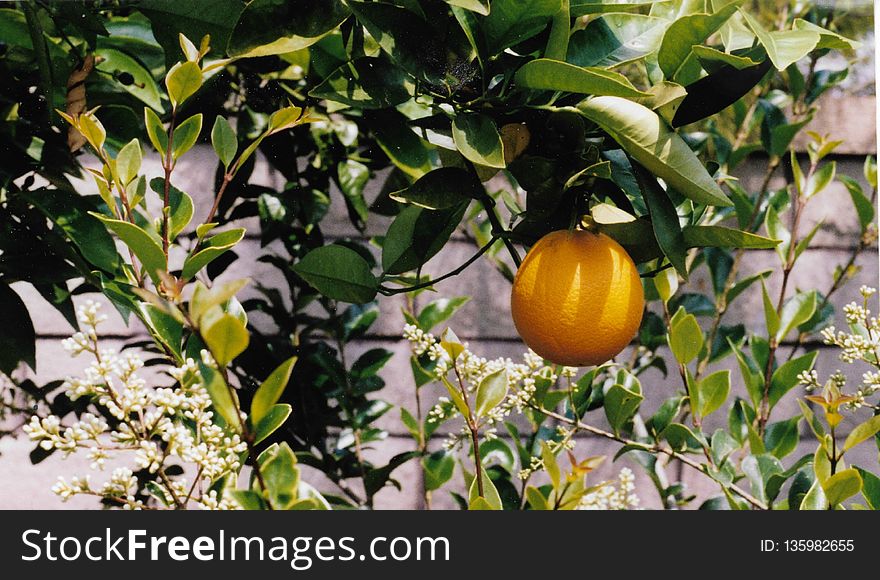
{"points": [[577, 298]]}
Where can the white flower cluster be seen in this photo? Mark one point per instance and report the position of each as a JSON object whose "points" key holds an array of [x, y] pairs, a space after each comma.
{"points": [[154, 425], [619, 495], [860, 344], [472, 369]]}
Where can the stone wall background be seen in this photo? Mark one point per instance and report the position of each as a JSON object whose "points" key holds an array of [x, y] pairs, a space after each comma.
{"points": [[485, 321]]}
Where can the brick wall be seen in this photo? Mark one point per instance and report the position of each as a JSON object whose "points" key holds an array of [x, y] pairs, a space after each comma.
{"points": [[484, 322]]}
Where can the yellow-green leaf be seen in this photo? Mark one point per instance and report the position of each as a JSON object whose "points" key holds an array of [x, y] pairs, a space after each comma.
{"points": [[226, 338]]}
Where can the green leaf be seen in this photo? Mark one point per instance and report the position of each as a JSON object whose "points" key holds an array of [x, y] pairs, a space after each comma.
{"points": [[339, 273], [686, 339], [410, 422], [797, 310], [709, 56], [815, 425], [17, 337], [477, 138], [220, 394], [224, 141], [416, 235], [180, 205], [585, 7], [724, 237], [842, 485], [128, 161], [164, 327], [759, 469], [156, 131], [536, 499], [211, 249], [490, 492], [439, 310], [144, 246], [820, 179], [142, 87], [554, 75], [512, 21], [367, 83], [441, 188], [409, 152], [649, 141], [478, 6], [827, 38], [784, 47], [785, 377], [684, 33], [226, 338], [353, 176], [271, 390], [268, 27], [862, 204], [713, 391], [491, 392], [620, 405], [862, 432], [551, 465], [438, 468], [870, 488], [92, 129], [71, 213], [248, 500], [664, 221], [815, 498], [185, 135], [615, 39], [782, 437], [771, 317], [271, 421], [281, 477], [183, 80]]}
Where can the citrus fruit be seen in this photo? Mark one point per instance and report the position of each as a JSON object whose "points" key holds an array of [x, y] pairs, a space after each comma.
{"points": [[577, 298]]}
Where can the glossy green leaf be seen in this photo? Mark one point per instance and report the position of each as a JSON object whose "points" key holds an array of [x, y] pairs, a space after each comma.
{"points": [[490, 493], [620, 405], [180, 205], [226, 338], [585, 7], [442, 188], [616, 39], [406, 150], [781, 438], [271, 390], [785, 377], [164, 327], [144, 246], [478, 6], [271, 421], [221, 395], [477, 138], [713, 390], [367, 83], [724, 237], [686, 339], [684, 33], [512, 21], [439, 311], [771, 317], [643, 135], [796, 310], [128, 161], [784, 47], [491, 392], [862, 204], [438, 468], [224, 141], [536, 499], [268, 27], [664, 221], [827, 38], [862, 432], [142, 87], [156, 131], [182, 81], [211, 249], [815, 498], [185, 135], [554, 75], [416, 235], [339, 273], [842, 485], [870, 488]]}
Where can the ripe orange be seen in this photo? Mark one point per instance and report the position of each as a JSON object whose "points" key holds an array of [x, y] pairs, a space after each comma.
{"points": [[577, 298]]}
